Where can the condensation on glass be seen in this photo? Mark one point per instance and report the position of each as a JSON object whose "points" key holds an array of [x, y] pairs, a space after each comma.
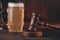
{"points": [[15, 17]]}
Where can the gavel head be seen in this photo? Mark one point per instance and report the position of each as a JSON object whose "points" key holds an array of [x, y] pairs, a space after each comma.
{"points": [[33, 14], [37, 15]]}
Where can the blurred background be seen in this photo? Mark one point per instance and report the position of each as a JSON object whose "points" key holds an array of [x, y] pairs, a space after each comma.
{"points": [[48, 9]]}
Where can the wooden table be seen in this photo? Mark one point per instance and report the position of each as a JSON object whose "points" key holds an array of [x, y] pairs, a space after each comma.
{"points": [[18, 36]]}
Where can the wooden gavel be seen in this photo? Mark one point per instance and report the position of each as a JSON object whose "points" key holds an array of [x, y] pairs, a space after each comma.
{"points": [[35, 22]]}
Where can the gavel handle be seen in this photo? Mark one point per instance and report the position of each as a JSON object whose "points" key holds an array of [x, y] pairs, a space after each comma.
{"points": [[49, 25]]}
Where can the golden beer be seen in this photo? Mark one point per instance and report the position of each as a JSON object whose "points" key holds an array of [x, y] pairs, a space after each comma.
{"points": [[15, 17]]}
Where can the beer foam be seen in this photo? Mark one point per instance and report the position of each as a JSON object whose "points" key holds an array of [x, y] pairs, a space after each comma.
{"points": [[15, 4]]}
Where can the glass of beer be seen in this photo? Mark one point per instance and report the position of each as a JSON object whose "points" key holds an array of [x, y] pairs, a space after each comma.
{"points": [[15, 17]]}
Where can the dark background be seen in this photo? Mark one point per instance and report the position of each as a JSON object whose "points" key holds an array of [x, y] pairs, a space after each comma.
{"points": [[49, 9]]}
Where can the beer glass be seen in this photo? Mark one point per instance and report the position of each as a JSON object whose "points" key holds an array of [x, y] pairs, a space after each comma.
{"points": [[15, 17]]}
